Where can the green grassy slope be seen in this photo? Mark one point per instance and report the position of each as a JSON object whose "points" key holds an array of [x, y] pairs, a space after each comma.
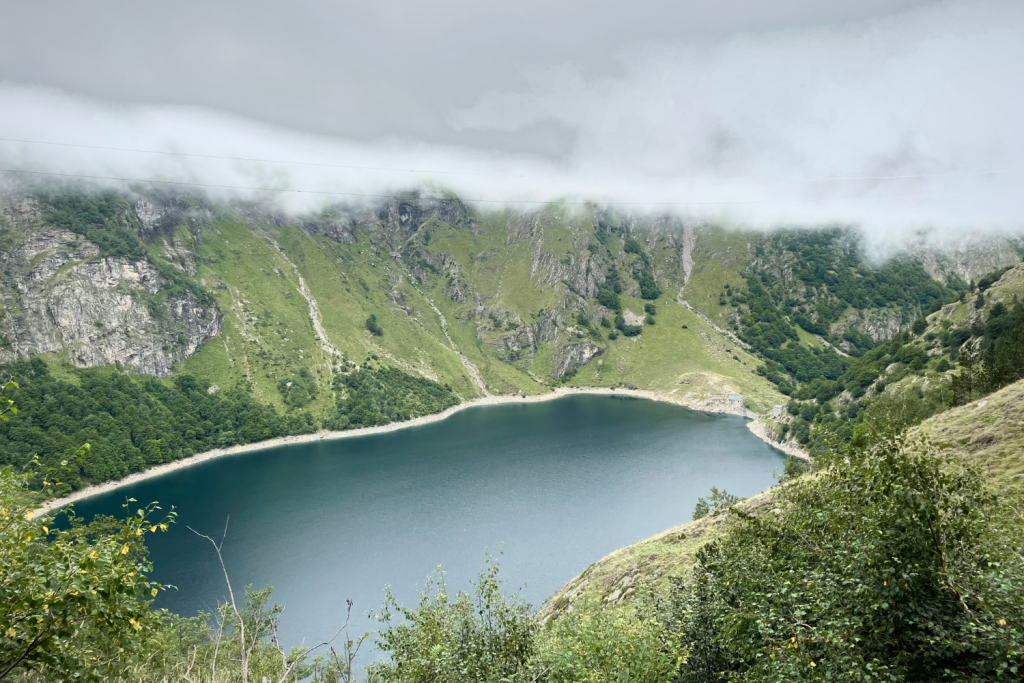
{"points": [[988, 433], [506, 283]]}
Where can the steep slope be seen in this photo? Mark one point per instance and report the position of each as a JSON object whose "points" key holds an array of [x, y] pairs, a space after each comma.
{"points": [[285, 308], [988, 433], [67, 295], [487, 303]]}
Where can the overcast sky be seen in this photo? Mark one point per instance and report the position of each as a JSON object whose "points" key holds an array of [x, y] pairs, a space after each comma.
{"points": [[735, 101]]}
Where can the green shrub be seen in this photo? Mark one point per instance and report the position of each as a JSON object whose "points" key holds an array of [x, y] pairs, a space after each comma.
{"points": [[598, 643], [649, 288], [627, 330], [373, 326], [485, 637], [793, 468], [715, 503], [609, 299], [298, 390], [891, 564]]}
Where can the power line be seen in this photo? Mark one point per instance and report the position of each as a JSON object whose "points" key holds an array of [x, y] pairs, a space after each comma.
{"points": [[179, 183], [231, 158], [194, 155]]}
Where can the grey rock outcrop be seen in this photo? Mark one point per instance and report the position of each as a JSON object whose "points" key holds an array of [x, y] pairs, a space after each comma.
{"points": [[632, 318], [881, 324], [61, 297], [969, 259], [574, 356]]}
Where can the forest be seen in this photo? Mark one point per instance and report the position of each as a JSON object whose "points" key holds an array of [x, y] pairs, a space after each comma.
{"points": [[133, 422], [377, 396], [836, 277], [994, 359]]}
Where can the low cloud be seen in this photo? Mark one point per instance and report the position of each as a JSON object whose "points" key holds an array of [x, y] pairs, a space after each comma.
{"points": [[901, 124]]}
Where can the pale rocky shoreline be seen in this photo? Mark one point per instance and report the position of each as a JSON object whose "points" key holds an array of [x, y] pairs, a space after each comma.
{"points": [[159, 470]]}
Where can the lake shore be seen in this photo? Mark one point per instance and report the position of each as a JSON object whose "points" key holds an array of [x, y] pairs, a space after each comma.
{"points": [[709, 406]]}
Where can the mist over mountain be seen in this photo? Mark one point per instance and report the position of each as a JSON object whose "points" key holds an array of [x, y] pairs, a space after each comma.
{"points": [[896, 122]]}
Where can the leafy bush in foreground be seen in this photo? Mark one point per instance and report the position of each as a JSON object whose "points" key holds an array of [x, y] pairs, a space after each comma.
{"points": [[489, 637], [595, 643], [887, 565], [451, 639], [74, 602]]}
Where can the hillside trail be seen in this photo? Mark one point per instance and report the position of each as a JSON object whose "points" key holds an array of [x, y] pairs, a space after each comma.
{"points": [[330, 352], [471, 370], [707, 320]]}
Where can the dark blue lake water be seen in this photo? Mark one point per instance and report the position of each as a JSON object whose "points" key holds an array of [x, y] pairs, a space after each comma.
{"points": [[555, 486]]}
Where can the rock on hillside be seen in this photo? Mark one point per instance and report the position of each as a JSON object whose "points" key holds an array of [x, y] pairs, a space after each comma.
{"points": [[60, 296], [574, 356], [969, 259]]}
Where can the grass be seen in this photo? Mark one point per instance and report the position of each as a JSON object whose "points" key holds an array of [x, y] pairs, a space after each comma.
{"points": [[807, 338], [651, 563], [719, 258], [267, 334], [665, 356], [989, 433]]}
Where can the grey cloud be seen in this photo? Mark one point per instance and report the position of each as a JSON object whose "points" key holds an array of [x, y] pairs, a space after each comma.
{"points": [[743, 120], [365, 70]]}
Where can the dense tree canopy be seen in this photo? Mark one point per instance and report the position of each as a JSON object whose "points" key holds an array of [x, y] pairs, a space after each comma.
{"points": [[131, 421], [377, 396]]}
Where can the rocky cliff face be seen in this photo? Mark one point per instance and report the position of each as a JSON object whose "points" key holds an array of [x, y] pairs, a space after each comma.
{"points": [[61, 296], [881, 324], [969, 259], [574, 356]]}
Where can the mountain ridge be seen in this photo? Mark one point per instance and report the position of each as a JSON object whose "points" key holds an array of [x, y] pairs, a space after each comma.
{"points": [[245, 298]]}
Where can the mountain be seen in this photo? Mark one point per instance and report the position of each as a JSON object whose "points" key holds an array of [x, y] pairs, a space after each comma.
{"points": [[364, 313]]}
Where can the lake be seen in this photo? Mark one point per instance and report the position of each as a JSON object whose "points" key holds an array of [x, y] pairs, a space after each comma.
{"points": [[552, 486]]}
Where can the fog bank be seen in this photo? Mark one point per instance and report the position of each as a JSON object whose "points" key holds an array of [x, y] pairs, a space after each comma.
{"points": [[896, 124]]}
